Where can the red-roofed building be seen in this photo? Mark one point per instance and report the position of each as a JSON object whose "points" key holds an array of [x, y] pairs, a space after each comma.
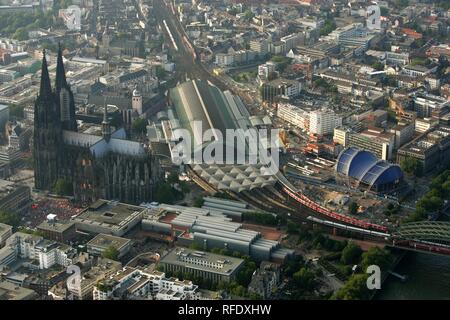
{"points": [[411, 33]]}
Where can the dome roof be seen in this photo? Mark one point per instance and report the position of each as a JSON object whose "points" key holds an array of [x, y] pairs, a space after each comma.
{"points": [[364, 167]]}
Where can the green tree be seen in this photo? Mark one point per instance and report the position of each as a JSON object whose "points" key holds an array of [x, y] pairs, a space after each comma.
{"points": [[328, 26], [185, 189], [21, 34], [351, 253], [412, 166], [164, 193], [354, 289], [248, 14], [293, 264], [292, 227], [63, 187], [378, 66], [139, 126], [401, 3], [260, 218], [353, 208], [160, 72], [9, 218], [304, 279], [111, 253], [173, 178], [376, 256], [198, 202]]}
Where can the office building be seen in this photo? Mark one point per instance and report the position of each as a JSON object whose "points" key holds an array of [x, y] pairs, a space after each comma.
{"points": [[260, 46], [294, 115], [109, 217], [60, 231], [380, 148], [352, 35], [266, 70], [144, 284], [5, 233], [280, 88], [14, 197], [340, 135], [428, 105], [322, 122], [431, 149], [425, 124], [45, 253], [404, 132], [215, 267], [397, 58], [102, 242]]}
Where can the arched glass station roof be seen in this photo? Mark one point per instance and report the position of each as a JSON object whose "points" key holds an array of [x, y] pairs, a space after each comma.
{"points": [[364, 167]]}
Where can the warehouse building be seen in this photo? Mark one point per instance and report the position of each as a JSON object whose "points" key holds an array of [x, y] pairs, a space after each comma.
{"points": [[231, 208], [210, 228]]}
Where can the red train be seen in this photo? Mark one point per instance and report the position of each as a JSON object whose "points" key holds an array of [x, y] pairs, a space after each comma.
{"points": [[334, 215], [424, 246]]}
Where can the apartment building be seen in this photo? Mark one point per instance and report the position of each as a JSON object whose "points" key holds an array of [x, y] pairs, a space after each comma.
{"points": [[294, 115], [136, 283], [323, 121]]}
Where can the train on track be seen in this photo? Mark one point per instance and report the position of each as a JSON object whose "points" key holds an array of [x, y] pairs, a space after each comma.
{"points": [[307, 202]]}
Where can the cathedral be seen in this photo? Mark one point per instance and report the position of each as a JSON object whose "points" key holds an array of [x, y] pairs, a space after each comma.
{"points": [[104, 166]]}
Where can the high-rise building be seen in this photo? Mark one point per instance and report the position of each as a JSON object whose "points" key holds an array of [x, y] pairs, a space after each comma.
{"points": [[323, 122]]}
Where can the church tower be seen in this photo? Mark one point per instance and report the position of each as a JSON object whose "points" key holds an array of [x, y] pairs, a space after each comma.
{"points": [[64, 96], [106, 38], [136, 102], [106, 126], [47, 134]]}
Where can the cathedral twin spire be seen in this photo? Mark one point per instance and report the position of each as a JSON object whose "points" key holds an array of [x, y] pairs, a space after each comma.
{"points": [[64, 104], [45, 88], [60, 81]]}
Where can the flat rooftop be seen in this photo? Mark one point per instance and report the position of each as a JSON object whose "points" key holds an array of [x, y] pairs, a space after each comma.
{"points": [[4, 227], [111, 213], [57, 226], [427, 140], [204, 261], [7, 187], [105, 241], [9, 291]]}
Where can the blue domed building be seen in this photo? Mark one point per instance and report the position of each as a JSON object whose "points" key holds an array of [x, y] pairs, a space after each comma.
{"points": [[362, 169]]}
